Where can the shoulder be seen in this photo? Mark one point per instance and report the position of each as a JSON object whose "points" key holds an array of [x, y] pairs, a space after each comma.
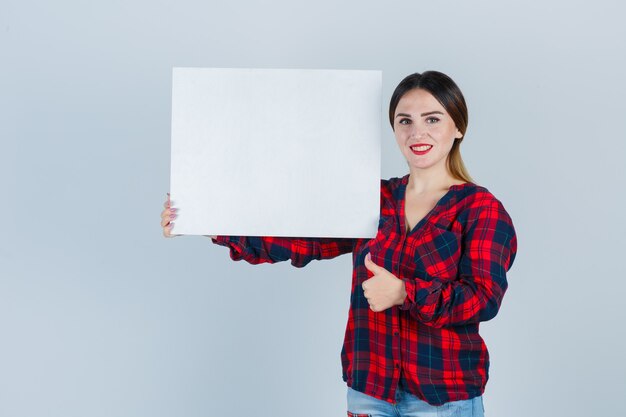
{"points": [[476, 197], [391, 189], [389, 182], [474, 203], [390, 185], [485, 223]]}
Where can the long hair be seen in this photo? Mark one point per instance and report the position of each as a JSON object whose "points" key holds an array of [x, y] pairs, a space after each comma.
{"points": [[445, 90]]}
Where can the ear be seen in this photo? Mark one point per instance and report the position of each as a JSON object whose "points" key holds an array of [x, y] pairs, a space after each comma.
{"points": [[458, 134]]}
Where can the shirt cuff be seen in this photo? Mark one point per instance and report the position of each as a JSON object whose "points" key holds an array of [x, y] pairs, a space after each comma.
{"points": [[221, 240], [231, 242], [416, 290], [409, 287]]}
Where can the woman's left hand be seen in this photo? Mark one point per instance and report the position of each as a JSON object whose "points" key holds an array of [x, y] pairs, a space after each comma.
{"points": [[384, 289]]}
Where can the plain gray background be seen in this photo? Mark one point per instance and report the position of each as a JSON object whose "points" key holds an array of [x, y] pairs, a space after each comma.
{"points": [[100, 315]]}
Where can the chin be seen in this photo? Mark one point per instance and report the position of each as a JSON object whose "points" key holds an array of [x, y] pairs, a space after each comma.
{"points": [[421, 163]]}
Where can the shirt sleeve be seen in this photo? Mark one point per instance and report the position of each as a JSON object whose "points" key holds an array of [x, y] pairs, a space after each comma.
{"points": [[300, 251], [489, 248]]}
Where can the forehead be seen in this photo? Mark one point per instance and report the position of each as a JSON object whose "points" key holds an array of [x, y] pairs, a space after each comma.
{"points": [[418, 101]]}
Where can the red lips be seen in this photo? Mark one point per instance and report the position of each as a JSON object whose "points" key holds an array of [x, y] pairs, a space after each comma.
{"points": [[416, 152]]}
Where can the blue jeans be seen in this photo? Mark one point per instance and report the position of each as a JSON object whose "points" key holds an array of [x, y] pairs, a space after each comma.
{"points": [[407, 405]]}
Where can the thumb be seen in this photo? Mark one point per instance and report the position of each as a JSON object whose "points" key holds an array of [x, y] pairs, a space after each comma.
{"points": [[370, 265]]}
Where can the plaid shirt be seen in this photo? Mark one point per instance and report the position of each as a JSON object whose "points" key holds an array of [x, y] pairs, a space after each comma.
{"points": [[453, 263]]}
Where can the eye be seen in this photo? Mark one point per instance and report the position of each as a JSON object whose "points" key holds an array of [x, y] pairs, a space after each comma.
{"points": [[432, 120], [402, 121]]}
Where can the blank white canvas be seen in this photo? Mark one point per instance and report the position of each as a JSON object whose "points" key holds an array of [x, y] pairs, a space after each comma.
{"points": [[276, 152]]}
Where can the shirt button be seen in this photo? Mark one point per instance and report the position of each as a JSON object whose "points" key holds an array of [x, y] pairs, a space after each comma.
{"points": [[397, 365], [396, 333]]}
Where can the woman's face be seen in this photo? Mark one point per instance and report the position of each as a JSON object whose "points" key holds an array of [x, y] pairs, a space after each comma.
{"points": [[424, 130]]}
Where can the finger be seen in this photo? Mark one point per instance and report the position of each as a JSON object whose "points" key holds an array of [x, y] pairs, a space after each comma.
{"points": [[167, 231], [168, 202], [169, 211], [169, 235], [167, 216], [366, 294], [370, 265]]}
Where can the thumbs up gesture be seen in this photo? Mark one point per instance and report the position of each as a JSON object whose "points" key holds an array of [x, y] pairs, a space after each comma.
{"points": [[384, 289]]}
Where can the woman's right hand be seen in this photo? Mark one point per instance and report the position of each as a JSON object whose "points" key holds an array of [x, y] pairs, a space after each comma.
{"points": [[167, 215]]}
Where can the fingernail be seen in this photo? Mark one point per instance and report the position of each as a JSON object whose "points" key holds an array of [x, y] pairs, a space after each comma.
{"points": [[172, 216]]}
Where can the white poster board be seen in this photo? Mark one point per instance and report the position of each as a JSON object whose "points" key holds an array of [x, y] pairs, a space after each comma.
{"points": [[276, 152]]}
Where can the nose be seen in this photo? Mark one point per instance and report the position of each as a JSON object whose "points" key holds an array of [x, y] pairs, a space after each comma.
{"points": [[417, 132]]}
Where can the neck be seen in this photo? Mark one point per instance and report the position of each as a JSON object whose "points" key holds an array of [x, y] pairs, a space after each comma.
{"points": [[425, 181]]}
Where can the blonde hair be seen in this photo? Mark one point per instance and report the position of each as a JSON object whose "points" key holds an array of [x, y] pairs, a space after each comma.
{"points": [[455, 162]]}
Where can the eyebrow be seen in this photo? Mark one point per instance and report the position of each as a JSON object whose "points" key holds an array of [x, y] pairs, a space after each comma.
{"points": [[422, 115]]}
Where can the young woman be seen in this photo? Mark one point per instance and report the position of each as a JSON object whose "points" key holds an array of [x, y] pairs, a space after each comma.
{"points": [[435, 270]]}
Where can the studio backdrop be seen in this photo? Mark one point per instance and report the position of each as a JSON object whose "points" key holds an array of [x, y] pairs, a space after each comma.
{"points": [[102, 316]]}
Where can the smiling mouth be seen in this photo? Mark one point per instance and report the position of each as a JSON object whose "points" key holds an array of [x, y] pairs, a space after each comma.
{"points": [[421, 149]]}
